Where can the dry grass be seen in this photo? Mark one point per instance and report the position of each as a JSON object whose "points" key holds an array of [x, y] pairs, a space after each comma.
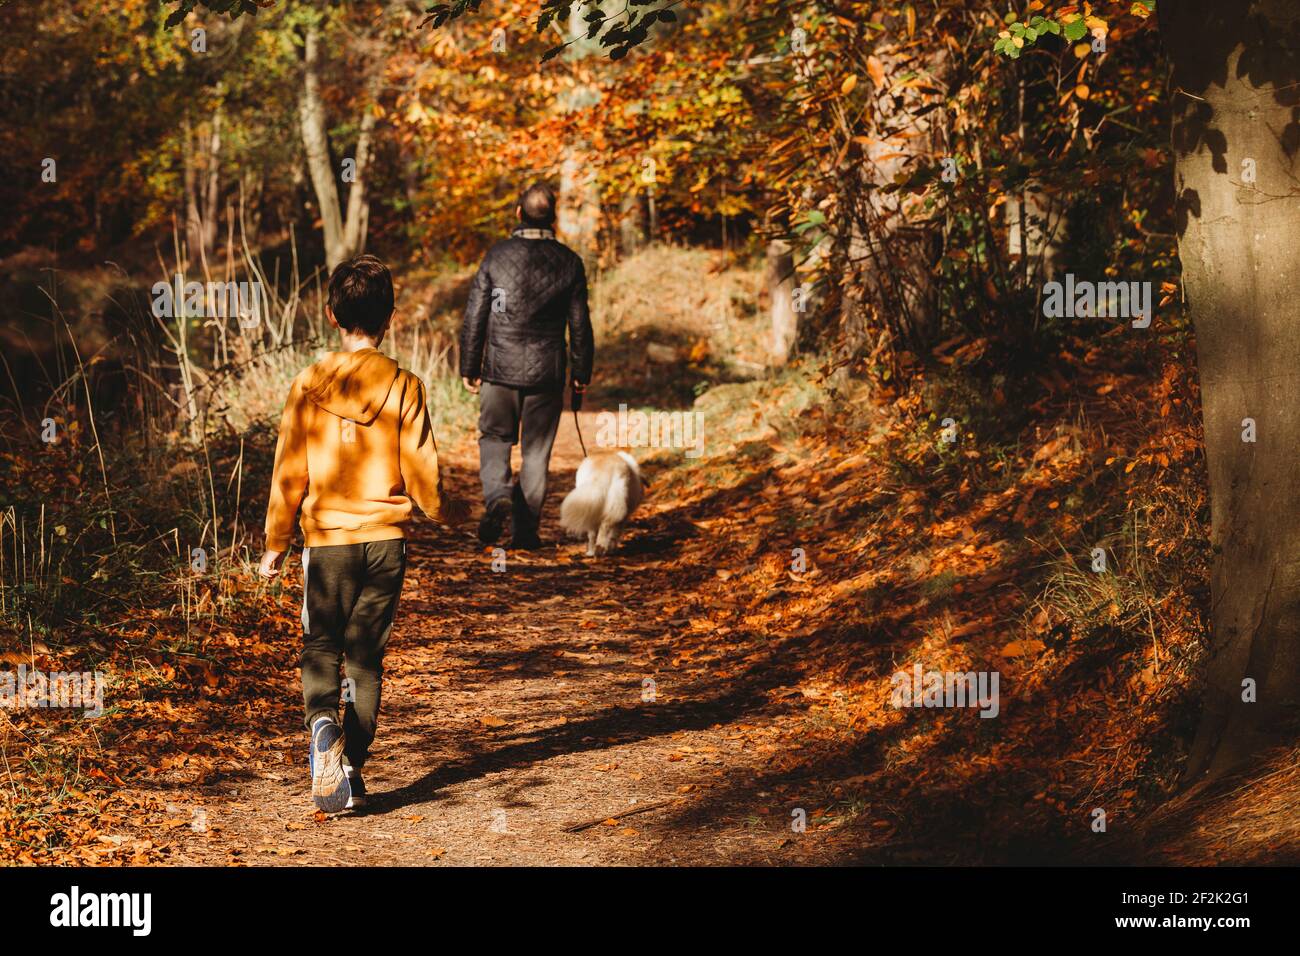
{"points": [[680, 296]]}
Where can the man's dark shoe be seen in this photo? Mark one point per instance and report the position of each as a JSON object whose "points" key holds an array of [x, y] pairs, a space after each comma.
{"points": [[494, 521], [526, 541]]}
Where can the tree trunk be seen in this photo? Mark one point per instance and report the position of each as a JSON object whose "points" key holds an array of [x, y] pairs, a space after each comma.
{"points": [[345, 236], [213, 195], [358, 218], [631, 226], [201, 193], [653, 211], [252, 193], [578, 208], [315, 141], [780, 289], [1235, 139], [890, 272], [190, 178], [1035, 233]]}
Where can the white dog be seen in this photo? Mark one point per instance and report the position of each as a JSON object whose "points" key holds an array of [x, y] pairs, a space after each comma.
{"points": [[607, 491]]}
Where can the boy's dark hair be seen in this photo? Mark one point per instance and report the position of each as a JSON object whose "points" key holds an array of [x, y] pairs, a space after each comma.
{"points": [[361, 294], [537, 206]]}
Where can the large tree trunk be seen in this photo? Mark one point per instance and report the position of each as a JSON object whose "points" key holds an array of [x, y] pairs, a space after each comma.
{"points": [[889, 279], [1235, 138]]}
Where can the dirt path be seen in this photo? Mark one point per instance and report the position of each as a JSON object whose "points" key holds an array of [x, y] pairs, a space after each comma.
{"points": [[516, 705]]}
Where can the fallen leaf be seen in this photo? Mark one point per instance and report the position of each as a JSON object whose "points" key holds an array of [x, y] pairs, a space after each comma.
{"points": [[876, 70], [1019, 648]]}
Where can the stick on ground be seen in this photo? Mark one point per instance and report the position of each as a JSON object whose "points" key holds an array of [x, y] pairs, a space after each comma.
{"points": [[578, 827]]}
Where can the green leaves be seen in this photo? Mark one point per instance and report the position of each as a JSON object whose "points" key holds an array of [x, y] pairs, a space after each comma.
{"points": [[1012, 41], [1075, 30], [810, 221]]}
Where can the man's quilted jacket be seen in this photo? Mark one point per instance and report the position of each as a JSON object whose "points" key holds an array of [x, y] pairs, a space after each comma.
{"points": [[526, 293]]}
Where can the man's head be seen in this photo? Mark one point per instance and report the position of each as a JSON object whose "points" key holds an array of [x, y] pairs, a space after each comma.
{"points": [[536, 207], [361, 296]]}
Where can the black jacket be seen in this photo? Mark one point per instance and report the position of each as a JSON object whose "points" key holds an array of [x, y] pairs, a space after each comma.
{"points": [[525, 294]]}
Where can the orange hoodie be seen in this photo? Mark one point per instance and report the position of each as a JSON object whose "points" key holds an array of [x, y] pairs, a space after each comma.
{"points": [[356, 447]]}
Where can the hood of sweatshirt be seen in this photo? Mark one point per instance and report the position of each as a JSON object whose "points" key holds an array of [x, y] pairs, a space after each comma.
{"points": [[352, 385]]}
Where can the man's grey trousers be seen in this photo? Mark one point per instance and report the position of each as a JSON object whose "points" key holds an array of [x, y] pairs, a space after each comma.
{"points": [[505, 413]]}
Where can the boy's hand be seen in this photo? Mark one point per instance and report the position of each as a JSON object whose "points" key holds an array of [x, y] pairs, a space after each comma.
{"points": [[455, 512], [471, 384], [271, 561]]}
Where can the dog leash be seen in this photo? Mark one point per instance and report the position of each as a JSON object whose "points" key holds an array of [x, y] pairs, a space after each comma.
{"points": [[578, 428], [575, 403]]}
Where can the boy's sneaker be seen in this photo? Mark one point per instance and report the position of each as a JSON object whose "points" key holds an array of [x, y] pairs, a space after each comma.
{"points": [[494, 521], [330, 789], [357, 784]]}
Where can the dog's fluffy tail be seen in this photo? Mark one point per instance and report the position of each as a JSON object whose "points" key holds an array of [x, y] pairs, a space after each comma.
{"points": [[583, 508]]}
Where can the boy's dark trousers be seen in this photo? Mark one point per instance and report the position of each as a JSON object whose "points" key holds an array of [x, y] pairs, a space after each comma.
{"points": [[350, 594], [506, 416]]}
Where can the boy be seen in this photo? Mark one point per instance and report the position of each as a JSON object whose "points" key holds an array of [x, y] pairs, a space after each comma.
{"points": [[355, 449]]}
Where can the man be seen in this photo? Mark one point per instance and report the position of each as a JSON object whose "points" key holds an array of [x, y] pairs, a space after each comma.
{"points": [[528, 290]]}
